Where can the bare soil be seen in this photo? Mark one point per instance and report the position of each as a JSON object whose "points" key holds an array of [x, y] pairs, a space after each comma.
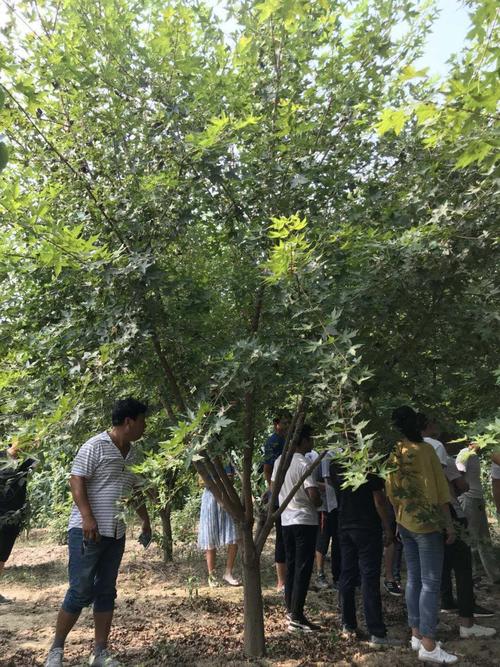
{"points": [[166, 615]]}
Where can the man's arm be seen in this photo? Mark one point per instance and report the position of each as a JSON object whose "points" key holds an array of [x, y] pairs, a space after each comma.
{"points": [[142, 512], [495, 457], [380, 502], [78, 487], [314, 495], [268, 471]]}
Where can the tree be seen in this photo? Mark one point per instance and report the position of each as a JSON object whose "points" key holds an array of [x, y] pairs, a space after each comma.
{"points": [[209, 218]]}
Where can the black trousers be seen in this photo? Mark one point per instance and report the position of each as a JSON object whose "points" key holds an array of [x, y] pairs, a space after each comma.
{"points": [[328, 530], [458, 559], [279, 546], [361, 550], [300, 546]]}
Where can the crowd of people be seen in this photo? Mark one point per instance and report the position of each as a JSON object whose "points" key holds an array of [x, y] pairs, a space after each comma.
{"points": [[429, 512]]}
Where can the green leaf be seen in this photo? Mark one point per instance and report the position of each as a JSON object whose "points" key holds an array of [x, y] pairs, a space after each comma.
{"points": [[391, 119], [4, 155]]}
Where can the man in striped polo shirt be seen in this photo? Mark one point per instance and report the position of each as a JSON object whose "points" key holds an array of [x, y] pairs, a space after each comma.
{"points": [[100, 481]]}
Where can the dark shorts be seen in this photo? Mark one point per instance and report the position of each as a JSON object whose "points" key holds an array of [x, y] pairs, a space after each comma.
{"points": [[327, 530], [8, 535], [93, 569]]}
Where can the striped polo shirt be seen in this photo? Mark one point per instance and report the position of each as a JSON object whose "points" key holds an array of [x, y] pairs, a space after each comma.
{"points": [[109, 482]]}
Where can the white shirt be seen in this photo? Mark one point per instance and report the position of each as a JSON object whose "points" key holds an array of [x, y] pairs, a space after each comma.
{"points": [[109, 481], [439, 449], [495, 471], [452, 473], [300, 510], [468, 462], [330, 495], [316, 475]]}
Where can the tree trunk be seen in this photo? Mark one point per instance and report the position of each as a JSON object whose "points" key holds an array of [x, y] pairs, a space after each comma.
{"points": [[253, 638], [167, 542]]}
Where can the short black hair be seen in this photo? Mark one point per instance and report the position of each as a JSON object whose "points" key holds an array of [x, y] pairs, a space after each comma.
{"points": [[306, 432], [127, 407], [282, 414]]}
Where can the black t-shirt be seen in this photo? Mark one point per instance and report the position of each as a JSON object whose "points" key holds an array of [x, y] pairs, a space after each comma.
{"points": [[357, 508], [13, 483]]}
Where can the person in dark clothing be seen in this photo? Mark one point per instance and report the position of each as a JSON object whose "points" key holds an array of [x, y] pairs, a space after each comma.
{"points": [[273, 449], [13, 494], [362, 516]]}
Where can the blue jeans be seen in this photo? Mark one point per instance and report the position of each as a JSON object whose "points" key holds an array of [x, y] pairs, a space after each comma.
{"points": [[424, 564], [92, 569]]}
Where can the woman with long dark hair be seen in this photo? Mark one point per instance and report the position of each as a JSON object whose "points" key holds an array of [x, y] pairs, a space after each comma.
{"points": [[419, 493]]}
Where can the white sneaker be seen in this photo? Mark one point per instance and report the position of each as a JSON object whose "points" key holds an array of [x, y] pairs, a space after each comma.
{"points": [[104, 659], [438, 655], [55, 658], [229, 579], [476, 631], [416, 643]]}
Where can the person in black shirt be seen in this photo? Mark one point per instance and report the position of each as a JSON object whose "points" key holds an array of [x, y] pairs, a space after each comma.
{"points": [[362, 515], [12, 502]]}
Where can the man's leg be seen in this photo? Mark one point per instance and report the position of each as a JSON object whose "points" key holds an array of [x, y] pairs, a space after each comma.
{"points": [[105, 589], [322, 544], [305, 541], [8, 535], [336, 560], [82, 566], [289, 546], [348, 579], [449, 562], [279, 556], [485, 547], [462, 564], [370, 549]]}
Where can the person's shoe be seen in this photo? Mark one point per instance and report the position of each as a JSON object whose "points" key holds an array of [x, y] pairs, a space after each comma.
{"points": [[321, 581], [4, 600], [303, 625], [213, 580], [438, 655], [383, 642], [450, 607], [415, 644], [482, 612], [104, 659], [393, 588], [476, 631], [232, 581], [54, 658], [348, 633]]}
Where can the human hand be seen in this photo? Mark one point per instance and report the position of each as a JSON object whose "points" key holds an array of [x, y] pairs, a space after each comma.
{"points": [[90, 529], [451, 536]]}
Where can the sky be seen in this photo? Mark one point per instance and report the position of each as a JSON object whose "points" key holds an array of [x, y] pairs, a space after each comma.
{"points": [[447, 37]]}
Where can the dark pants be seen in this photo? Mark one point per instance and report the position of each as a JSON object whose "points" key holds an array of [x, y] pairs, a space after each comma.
{"points": [[361, 550], [8, 535], [328, 530], [458, 559], [279, 547], [300, 543], [92, 568]]}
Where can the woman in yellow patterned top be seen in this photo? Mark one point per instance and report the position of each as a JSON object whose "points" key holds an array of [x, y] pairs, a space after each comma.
{"points": [[419, 493]]}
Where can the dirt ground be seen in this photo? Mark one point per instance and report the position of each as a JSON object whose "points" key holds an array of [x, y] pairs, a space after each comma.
{"points": [[166, 615]]}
